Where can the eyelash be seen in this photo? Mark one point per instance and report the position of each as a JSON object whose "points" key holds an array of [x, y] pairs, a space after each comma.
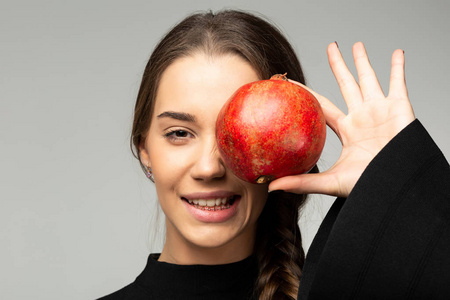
{"points": [[171, 135]]}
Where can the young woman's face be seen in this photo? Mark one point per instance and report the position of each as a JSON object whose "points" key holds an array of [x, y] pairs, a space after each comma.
{"points": [[210, 213]]}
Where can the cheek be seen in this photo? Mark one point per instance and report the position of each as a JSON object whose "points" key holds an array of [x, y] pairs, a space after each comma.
{"points": [[159, 159], [259, 198], [165, 169], [167, 175], [169, 163]]}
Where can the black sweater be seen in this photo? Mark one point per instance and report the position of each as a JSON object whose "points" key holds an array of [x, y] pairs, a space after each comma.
{"points": [[390, 239], [161, 280]]}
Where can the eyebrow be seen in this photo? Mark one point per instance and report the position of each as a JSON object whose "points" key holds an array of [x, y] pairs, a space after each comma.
{"points": [[178, 116]]}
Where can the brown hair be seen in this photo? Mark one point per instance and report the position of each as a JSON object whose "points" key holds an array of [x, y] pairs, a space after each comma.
{"points": [[278, 247]]}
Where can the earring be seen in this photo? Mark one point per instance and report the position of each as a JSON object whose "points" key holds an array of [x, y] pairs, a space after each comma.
{"points": [[149, 173]]}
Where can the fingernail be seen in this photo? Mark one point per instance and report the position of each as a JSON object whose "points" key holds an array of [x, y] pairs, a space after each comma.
{"points": [[336, 44]]}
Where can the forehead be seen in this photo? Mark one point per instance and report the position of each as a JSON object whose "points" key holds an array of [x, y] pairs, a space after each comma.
{"points": [[201, 82]]}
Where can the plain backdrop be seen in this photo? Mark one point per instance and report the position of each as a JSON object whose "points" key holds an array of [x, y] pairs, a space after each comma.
{"points": [[76, 211]]}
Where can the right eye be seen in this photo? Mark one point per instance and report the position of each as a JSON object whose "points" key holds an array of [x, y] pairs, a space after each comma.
{"points": [[177, 136]]}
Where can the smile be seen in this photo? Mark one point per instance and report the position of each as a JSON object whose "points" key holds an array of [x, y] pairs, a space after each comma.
{"points": [[212, 204]]}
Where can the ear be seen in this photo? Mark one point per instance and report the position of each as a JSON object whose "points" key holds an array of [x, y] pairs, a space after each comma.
{"points": [[144, 155]]}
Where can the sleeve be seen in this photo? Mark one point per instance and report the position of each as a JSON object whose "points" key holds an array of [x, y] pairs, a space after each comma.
{"points": [[390, 239]]}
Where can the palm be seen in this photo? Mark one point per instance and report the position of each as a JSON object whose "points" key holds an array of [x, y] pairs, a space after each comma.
{"points": [[372, 121]]}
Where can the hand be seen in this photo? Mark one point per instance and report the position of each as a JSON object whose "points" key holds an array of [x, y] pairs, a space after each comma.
{"points": [[372, 121]]}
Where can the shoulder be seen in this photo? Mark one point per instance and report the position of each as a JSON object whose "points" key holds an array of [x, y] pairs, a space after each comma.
{"points": [[136, 290], [129, 292]]}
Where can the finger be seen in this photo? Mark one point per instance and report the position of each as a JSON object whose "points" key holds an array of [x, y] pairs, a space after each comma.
{"points": [[397, 83], [347, 84], [368, 82], [319, 183], [331, 112]]}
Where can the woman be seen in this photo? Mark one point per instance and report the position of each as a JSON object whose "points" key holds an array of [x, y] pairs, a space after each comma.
{"points": [[228, 239]]}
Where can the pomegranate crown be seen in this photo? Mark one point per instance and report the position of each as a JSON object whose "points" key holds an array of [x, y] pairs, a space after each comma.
{"points": [[279, 77]]}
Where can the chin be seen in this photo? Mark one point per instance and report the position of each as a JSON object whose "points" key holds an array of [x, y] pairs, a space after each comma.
{"points": [[214, 243], [217, 237]]}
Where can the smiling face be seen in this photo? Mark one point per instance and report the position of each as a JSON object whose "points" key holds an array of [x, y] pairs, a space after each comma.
{"points": [[211, 215]]}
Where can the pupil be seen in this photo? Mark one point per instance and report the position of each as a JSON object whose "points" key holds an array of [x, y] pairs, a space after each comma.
{"points": [[181, 133]]}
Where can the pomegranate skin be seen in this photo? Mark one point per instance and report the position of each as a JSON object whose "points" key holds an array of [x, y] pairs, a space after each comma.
{"points": [[269, 129]]}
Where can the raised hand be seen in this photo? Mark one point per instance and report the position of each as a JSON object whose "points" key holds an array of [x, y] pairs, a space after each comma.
{"points": [[373, 119]]}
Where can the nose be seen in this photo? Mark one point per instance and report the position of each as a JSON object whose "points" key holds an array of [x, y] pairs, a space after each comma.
{"points": [[209, 164]]}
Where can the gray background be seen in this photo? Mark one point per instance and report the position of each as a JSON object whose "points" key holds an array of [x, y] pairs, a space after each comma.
{"points": [[76, 211]]}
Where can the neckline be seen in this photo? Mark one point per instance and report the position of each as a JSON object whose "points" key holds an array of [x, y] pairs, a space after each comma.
{"points": [[233, 280]]}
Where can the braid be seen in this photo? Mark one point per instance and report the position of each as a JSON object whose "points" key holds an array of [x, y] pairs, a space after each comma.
{"points": [[278, 247]]}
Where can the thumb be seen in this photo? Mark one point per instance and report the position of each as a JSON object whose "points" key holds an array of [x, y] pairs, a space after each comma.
{"points": [[318, 183]]}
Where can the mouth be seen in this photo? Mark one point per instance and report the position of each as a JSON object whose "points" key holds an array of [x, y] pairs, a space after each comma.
{"points": [[216, 204]]}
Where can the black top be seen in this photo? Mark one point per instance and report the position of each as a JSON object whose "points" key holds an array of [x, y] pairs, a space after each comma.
{"points": [[390, 239], [161, 280]]}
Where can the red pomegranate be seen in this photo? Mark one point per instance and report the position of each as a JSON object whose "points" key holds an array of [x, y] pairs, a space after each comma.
{"points": [[269, 129]]}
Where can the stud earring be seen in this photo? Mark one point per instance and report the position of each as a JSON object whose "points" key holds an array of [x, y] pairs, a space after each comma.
{"points": [[150, 173]]}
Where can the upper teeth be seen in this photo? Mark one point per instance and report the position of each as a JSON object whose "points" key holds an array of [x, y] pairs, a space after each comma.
{"points": [[209, 202]]}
